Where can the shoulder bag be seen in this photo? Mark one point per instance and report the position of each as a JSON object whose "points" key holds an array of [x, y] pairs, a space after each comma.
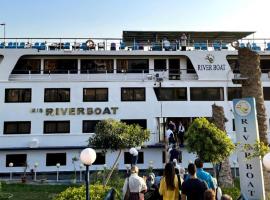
{"points": [[127, 195]]}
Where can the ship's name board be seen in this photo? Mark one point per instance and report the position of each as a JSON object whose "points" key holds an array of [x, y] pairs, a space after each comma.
{"points": [[76, 111], [214, 67]]}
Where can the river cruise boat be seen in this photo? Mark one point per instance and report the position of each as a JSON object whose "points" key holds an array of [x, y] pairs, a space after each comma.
{"points": [[55, 90]]}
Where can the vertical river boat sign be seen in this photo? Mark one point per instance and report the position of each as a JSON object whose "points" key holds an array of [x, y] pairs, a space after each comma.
{"points": [[250, 171]]}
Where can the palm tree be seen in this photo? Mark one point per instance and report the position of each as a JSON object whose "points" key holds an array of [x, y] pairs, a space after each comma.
{"points": [[249, 66], [224, 175]]}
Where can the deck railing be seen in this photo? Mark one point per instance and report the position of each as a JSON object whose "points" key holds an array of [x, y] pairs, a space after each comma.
{"points": [[112, 75], [113, 44]]}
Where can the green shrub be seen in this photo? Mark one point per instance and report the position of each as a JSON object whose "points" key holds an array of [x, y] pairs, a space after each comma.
{"points": [[234, 192], [97, 192], [5, 196]]}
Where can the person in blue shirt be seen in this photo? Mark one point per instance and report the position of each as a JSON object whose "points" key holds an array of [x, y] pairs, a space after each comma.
{"points": [[203, 175]]}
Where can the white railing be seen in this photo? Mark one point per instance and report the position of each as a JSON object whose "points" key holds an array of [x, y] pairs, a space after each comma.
{"points": [[110, 44]]}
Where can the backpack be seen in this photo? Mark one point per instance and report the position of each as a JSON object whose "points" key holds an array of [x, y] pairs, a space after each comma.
{"points": [[171, 138]]}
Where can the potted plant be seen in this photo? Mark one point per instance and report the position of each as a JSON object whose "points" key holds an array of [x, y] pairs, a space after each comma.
{"points": [[23, 178]]}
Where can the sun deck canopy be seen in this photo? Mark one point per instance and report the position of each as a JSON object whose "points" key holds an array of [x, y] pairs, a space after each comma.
{"points": [[193, 36]]}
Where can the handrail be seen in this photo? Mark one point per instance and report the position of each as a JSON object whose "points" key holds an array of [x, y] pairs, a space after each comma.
{"points": [[50, 43]]}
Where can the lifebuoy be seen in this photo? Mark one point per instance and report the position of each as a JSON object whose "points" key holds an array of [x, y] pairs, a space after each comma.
{"points": [[90, 44]]}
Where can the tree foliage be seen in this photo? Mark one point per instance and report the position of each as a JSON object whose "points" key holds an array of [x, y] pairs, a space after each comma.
{"points": [[115, 135], [256, 150], [97, 192], [208, 142]]}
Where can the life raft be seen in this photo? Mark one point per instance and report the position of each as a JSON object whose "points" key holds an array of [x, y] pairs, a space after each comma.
{"points": [[90, 44]]}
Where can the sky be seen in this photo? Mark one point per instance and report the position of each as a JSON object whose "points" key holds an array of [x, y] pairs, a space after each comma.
{"points": [[108, 18]]}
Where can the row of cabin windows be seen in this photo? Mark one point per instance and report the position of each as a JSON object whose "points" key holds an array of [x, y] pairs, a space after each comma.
{"points": [[19, 160], [127, 94], [52, 127], [63, 95], [64, 66], [88, 66], [131, 94]]}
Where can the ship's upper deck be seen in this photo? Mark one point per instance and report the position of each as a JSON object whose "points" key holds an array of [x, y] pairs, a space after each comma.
{"points": [[206, 56], [142, 40]]}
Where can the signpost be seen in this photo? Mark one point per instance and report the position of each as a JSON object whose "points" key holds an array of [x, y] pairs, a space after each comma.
{"points": [[246, 127]]}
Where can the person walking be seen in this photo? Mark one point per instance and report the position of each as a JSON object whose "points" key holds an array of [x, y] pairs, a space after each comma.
{"points": [[174, 153], [170, 135], [179, 168], [193, 188], [134, 153], [135, 184], [203, 175], [180, 134], [169, 187], [209, 195], [183, 42]]}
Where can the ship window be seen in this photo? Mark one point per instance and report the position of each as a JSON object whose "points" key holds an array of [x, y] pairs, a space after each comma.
{"points": [[206, 94], [234, 64], [95, 94], [89, 126], [22, 127], [57, 95], [171, 94], [56, 127], [266, 93], [174, 69], [140, 122], [60, 66], [160, 65], [100, 159], [53, 158], [128, 158], [18, 160], [17, 95], [26, 66], [96, 66], [233, 124], [265, 66], [234, 93], [190, 67], [132, 66], [132, 94]]}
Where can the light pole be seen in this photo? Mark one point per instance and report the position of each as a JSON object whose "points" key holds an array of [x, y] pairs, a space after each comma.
{"points": [[10, 175], [4, 24], [35, 171], [104, 173], [151, 165], [87, 156], [57, 172], [234, 167], [81, 167]]}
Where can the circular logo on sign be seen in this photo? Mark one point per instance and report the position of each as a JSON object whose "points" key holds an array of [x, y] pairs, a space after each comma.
{"points": [[242, 108], [210, 58]]}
